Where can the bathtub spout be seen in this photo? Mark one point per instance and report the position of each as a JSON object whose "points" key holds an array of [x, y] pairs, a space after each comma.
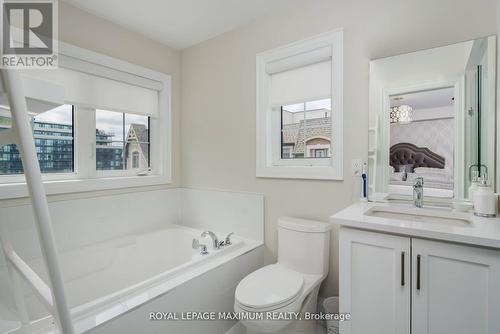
{"points": [[215, 240]]}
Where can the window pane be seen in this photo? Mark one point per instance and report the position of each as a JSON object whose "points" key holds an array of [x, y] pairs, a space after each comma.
{"points": [[122, 141], [306, 130], [53, 133], [109, 135], [137, 143]]}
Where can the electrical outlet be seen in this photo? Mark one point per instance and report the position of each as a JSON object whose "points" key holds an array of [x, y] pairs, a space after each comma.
{"points": [[357, 167]]}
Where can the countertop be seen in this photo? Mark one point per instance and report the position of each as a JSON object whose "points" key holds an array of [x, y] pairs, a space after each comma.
{"points": [[484, 232]]}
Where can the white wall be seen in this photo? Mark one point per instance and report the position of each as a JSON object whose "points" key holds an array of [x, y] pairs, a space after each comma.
{"points": [[218, 94]]}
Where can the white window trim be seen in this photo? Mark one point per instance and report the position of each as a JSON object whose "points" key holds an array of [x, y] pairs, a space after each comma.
{"points": [[86, 178], [266, 142]]}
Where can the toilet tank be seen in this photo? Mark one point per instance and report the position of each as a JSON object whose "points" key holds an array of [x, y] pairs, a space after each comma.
{"points": [[304, 245]]}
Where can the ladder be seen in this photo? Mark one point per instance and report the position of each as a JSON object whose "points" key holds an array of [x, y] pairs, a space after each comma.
{"points": [[53, 297]]}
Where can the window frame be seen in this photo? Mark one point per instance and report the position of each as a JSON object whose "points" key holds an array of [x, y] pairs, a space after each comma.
{"points": [[270, 163], [85, 176]]}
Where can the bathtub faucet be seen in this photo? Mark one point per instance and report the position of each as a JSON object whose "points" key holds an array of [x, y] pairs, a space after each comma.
{"points": [[215, 240], [203, 249]]}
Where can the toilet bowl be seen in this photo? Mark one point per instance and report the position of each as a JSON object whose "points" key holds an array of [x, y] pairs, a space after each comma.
{"points": [[276, 298]]}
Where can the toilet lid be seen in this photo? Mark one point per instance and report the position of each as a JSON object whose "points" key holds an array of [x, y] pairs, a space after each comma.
{"points": [[269, 286]]}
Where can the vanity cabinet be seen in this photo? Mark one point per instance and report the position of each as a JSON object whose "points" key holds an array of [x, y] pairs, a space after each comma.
{"points": [[393, 284], [374, 282]]}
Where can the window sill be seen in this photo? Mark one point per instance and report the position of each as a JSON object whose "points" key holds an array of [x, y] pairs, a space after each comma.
{"points": [[53, 187], [300, 172]]}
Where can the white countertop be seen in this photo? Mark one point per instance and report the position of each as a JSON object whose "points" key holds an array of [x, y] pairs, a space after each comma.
{"points": [[482, 232]]}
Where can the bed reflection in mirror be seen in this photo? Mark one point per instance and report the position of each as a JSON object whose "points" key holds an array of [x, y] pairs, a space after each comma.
{"points": [[422, 136]]}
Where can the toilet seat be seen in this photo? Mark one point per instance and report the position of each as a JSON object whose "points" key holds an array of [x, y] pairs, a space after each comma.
{"points": [[269, 288]]}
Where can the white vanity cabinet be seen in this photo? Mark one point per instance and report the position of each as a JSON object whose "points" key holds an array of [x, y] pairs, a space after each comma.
{"points": [[374, 282], [397, 285]]}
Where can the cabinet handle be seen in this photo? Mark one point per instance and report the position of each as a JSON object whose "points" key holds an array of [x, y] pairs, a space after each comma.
{"points": [[402, 268], [418, 272]]}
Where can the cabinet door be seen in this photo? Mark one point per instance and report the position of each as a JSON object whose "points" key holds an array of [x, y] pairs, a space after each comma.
{"points": [[455, 289], [374, 282]]}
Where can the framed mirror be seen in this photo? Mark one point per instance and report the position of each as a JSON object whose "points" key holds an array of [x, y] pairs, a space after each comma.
{"points": [[432, 115]]}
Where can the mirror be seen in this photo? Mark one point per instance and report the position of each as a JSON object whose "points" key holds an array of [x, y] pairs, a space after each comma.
{"points": [[432, 115]]}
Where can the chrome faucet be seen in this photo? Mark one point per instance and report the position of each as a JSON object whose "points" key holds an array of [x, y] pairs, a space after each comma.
{"points": [[215, 240], [418, 192], [203, 248]]}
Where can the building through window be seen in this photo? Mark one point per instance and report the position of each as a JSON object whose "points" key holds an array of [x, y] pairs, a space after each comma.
{"points": [[53, 133]]}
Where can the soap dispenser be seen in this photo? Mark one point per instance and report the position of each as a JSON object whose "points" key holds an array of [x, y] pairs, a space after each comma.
{"points": [[485, 199]]}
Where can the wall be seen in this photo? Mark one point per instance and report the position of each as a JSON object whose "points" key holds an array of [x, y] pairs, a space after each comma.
{"points": [[218, 95]]}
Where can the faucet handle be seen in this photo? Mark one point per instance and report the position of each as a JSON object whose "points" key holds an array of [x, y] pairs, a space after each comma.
{"points": [[228, 239], [196, 244]]}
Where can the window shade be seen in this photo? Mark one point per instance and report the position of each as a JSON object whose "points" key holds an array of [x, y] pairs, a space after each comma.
{"points": [[40, 95], [299, 60], [305, 83], [100, 92]]}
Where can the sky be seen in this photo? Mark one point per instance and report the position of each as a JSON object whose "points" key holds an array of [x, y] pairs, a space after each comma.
{"points": [[311, 105], [112, 122], [109, 121]]}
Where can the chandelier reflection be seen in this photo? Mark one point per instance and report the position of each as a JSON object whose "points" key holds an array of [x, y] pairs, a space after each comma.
{"points": [[401, 114]]}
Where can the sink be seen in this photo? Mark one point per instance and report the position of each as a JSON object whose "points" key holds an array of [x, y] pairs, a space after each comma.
{"points": [[421, 215]]}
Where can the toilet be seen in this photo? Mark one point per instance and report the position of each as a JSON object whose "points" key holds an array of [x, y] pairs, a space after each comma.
{"points": [[268, 298]]}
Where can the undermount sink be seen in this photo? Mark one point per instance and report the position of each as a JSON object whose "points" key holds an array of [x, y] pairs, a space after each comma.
{"points": [[431, 216]]}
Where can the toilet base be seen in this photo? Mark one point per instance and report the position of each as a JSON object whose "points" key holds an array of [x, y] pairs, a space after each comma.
{"points": [[299, 326]]}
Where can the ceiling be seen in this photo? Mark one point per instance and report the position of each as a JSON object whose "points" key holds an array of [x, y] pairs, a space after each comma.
{"points": [[426, 99], [182, 23]]}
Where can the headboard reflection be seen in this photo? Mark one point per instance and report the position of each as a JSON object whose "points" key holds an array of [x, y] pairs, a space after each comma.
{"points": [[409, 154]]}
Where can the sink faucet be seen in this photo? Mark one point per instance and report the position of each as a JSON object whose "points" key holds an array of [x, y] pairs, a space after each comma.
{"points": [[418, 192], [215, 240]]}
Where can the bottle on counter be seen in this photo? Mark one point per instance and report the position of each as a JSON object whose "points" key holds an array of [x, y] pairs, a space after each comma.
{"points": [[485, 199]]}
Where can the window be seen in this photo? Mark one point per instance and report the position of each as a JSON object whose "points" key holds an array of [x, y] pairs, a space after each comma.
{"points": [[306, 130], [122, 141], [54, 156], [299, 109], [135, 160], [104, 131]]}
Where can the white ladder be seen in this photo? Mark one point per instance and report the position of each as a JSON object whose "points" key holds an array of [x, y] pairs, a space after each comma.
{"points": [[54, 298]]}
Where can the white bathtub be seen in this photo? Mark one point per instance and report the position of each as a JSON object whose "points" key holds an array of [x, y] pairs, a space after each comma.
{"points": [[109, 279]]}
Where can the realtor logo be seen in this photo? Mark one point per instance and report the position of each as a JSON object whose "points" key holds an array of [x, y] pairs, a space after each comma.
{"points": [[29, 34]]}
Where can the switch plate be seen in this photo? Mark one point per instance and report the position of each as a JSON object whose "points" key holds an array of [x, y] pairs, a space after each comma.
{"points": [[357, 167]]}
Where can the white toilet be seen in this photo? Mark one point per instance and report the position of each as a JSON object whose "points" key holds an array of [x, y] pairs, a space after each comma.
{"points": [[291, 284]]}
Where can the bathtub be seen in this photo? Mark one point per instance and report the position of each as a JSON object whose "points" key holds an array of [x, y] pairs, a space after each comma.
{"points": [[113, 286]]}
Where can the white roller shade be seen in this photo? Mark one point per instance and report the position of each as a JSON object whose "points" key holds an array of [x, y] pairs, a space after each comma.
{"points": [[299, 60], [41, 96], [300, 84], [100, 92]]}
